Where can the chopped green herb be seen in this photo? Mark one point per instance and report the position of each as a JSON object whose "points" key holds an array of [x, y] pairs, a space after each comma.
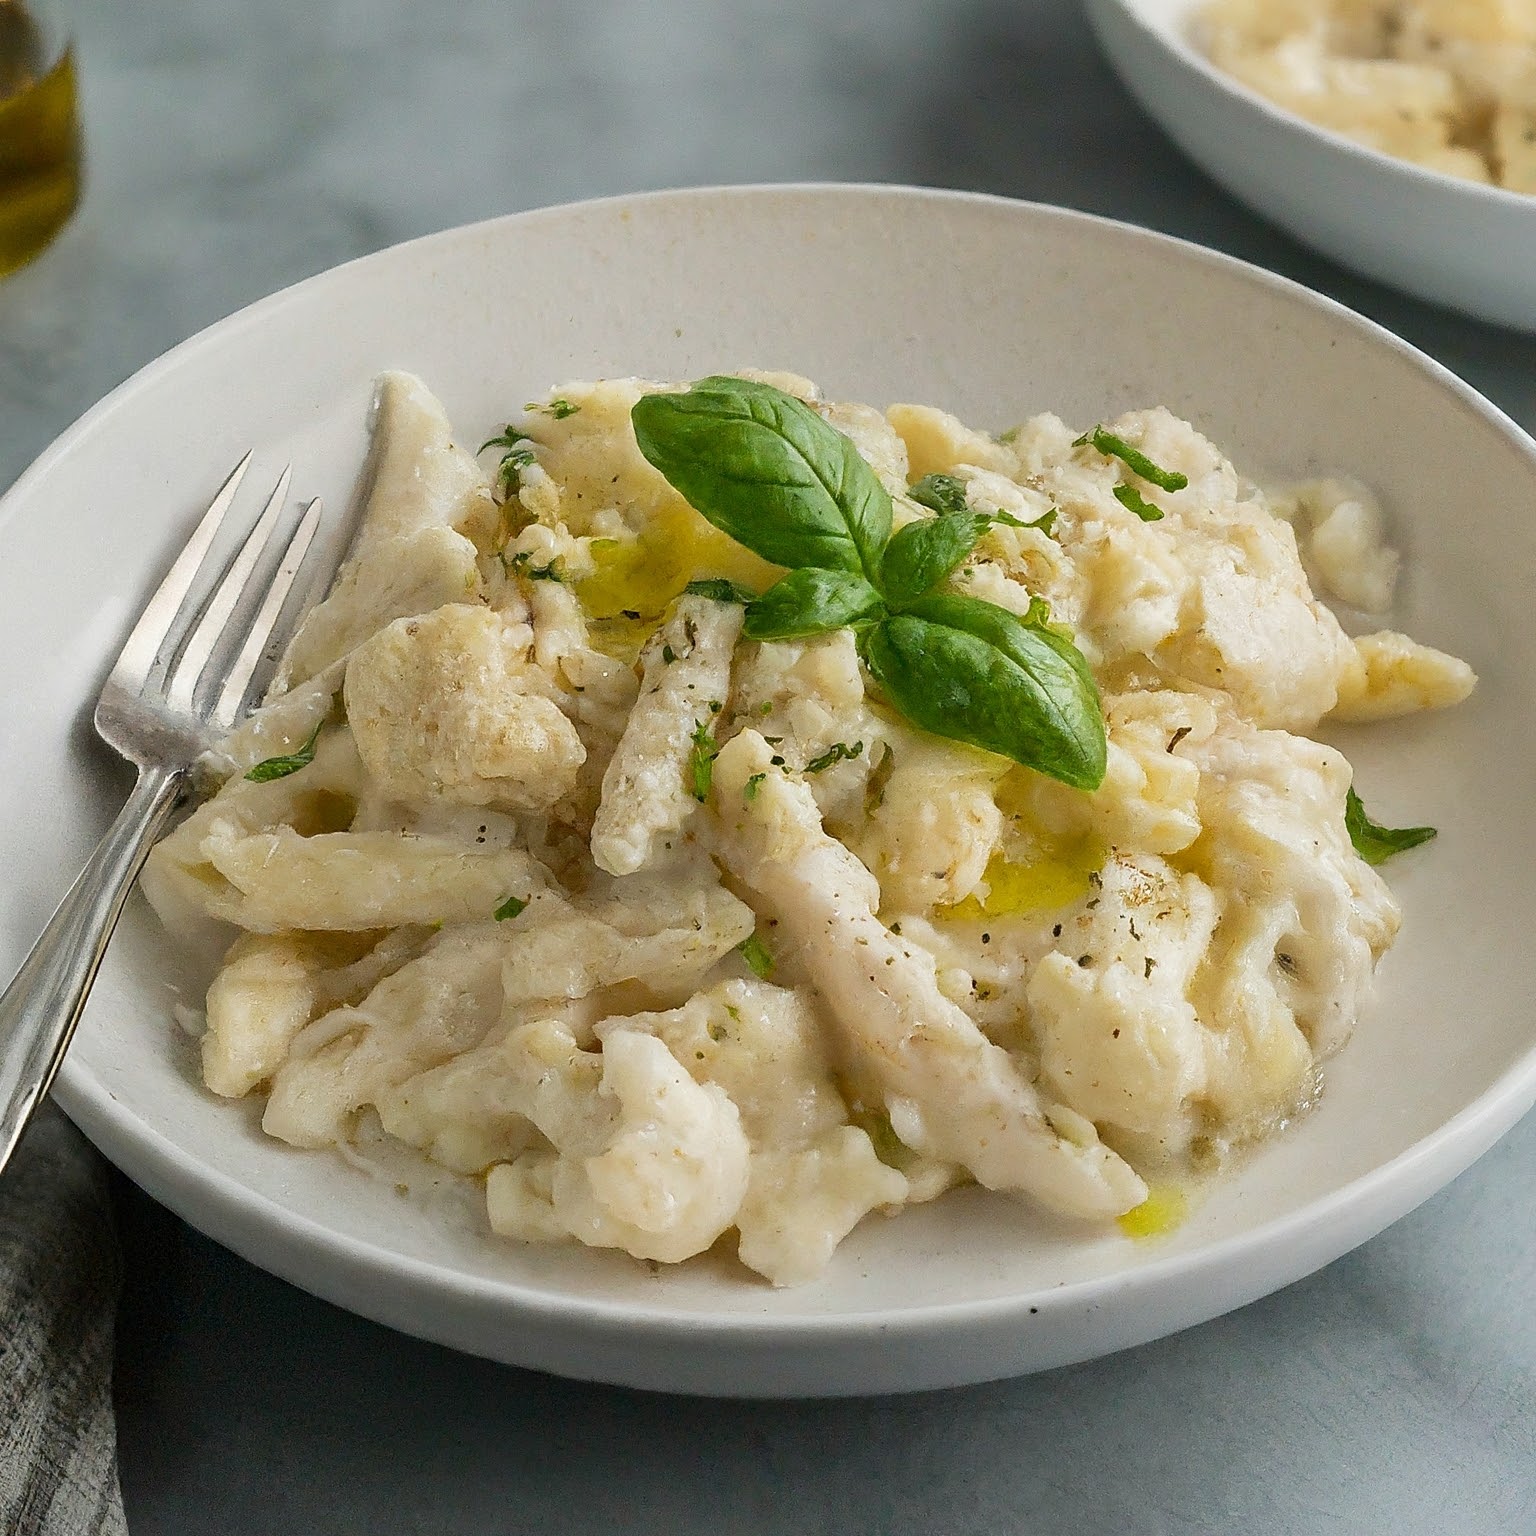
{"points": [[1133, 501], [280, 767], [941, 493], [750, 788], [508, 437], [1133, 458], [701, 761], [668, 655], [1376, 844], [757, 955], [838, 752], [514, 461], [721, 590], [559, 407], [510, 908], [1046, 522], [880, 776], [766, 707]]}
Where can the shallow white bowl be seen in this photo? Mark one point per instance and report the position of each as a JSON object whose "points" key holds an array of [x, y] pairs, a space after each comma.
{"points": [[1451, 241], [995, 310]]}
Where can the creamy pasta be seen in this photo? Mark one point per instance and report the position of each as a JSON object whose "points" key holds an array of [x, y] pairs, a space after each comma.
{"points": [[1448, 84], [538, 860]]}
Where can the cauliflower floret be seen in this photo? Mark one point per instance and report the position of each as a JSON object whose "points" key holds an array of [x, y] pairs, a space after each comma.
{"points": [[1120, 1042], [445, 706], [644, 1158], [1251, 627], [814, 1177], [801, 1203]]}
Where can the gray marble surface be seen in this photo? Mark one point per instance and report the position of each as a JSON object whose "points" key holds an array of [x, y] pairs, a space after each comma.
{"points": [[235, 148]]}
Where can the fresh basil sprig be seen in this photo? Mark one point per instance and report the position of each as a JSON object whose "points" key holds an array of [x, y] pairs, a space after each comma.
{"points": [[763, 467], [1376, 844]]}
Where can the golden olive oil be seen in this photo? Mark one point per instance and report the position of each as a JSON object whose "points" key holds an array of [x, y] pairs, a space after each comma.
{"points": [[39, 139], [1162, 1212]]}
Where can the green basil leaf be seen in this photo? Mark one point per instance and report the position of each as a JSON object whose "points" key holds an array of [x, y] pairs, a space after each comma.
{"points": [[922, 554], [763, 467], [280, 767], [510, 908], [811, 602], [971, 671], [941, 493], [1134, 459], [1376, 844], [721, 590]]}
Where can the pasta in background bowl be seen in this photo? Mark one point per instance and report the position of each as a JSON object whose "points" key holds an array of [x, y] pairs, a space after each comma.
{"points": [[1383, 164], [1021, 313]]}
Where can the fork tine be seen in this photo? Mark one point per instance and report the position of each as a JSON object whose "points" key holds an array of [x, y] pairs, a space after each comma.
{"points": [[155, 623], [188, 667], [232, 698]]}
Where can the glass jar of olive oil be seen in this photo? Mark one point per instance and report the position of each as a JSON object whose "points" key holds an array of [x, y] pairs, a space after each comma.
{"points": [[39, 129]]}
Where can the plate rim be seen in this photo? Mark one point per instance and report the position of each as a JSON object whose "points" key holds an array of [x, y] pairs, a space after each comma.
{"points": [[1347, 1216]]}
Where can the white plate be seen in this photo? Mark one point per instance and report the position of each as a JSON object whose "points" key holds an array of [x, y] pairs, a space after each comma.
{"points": [[1451, 241], [995, 310]]}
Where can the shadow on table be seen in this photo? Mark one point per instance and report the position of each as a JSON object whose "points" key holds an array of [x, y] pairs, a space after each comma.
{"points": [[1388, 1392]]}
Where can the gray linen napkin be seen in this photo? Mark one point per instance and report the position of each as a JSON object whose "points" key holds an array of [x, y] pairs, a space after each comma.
{"points": [[59, 1278]]}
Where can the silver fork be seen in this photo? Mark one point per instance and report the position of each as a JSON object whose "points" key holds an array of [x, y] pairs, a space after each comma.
{"points": [[185, 676]]}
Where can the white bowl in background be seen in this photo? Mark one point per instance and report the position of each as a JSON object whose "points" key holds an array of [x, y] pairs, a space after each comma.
{"points": [[995, 310], [1454, 242]]}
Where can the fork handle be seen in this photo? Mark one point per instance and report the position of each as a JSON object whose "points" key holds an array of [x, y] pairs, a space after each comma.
{"points": [[40, 1008]]}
